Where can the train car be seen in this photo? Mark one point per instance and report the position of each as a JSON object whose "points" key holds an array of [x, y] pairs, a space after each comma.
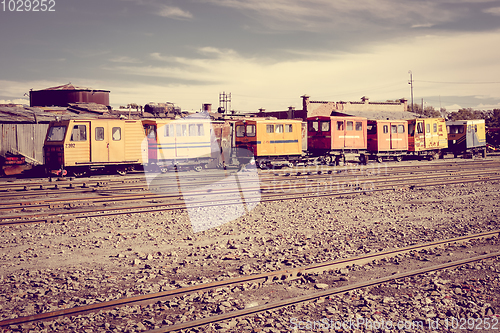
{"points": [[79, 146], [387, 139], [271, 141], [185, 142], [427, 137], [336, 138], [466, 137]]}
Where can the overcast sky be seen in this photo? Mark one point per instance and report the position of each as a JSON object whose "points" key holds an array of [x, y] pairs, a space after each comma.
{"points": [[266, 53]]}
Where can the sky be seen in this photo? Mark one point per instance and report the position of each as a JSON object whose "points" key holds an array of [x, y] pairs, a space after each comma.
{"points": [[266, 53]]}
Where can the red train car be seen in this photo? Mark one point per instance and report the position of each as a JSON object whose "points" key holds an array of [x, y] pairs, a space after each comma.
{"points": [[387, 138], [336, 138]]}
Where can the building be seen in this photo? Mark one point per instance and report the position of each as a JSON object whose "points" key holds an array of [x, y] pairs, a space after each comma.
{"points": [[66, 94], [363, 108]]}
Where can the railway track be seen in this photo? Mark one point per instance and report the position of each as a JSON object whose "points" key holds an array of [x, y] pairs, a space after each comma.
{"points": [[282, 275], [103, 202]]}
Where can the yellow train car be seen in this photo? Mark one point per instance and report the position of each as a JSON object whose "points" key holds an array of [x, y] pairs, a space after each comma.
{"points": [[186, 141], [467, 137], [79, 146], [271, 141], [427, 137]]}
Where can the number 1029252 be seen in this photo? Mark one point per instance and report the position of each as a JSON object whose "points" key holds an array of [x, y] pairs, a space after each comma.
{"points": [[28, 5]]}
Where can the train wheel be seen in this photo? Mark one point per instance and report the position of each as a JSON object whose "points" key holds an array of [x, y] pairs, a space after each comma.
{"points": [[121, 172], [398, 158], [380, 159], [362, 159], [198, 168], [290, 164], [327, 159]]}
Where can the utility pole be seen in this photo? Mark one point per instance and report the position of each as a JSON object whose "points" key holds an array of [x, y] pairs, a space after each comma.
{"points": [[411, 87], [223, 100]]}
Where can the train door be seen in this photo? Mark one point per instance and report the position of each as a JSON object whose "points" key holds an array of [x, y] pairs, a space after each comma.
{"points": [[279, 139], [474, 135], [419, 136], [397, 136], [116, 141], [431, 133], [77, 150], [166, 142], [100, 141], [349, 134], [150, 130], [181, 138]]}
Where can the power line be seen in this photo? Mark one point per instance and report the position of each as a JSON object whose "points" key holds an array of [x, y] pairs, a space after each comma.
{"points": [[457, 82]]}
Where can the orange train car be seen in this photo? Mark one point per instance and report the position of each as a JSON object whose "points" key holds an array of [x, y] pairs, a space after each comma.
{"points": [[387, 139], [271, 141], [335, 139]]}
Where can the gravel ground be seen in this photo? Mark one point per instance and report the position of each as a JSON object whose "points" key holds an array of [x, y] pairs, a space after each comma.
{"points": [[60, 265]]}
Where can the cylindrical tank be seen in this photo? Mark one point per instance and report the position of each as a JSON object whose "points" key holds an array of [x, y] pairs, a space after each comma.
{"points": [[63, 95]]}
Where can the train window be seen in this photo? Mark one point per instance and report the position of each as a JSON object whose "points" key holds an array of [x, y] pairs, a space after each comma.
{"points": [[269, 128], [313, 126], [169, 130], [56, 133], [435, 127], [181, 130], [201, 130], [150, 131], [250, 130], [192, 130], [340, 125], [325, 126], [427, 128], [420, 128], [411, 129], [372, 129], [401, 128], [79, 133], [288, 128], [279, 128], [99, 133], [240, 131], [349, 126], [116, 133], [359, 126], [394, 128], [386, 129]]}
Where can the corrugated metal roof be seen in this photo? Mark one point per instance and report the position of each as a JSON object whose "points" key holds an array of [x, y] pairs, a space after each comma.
{"points": [[70, 86], [26, 114]]}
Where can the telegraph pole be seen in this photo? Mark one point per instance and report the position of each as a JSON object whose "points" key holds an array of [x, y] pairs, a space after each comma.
{"points": [[411, 87]]}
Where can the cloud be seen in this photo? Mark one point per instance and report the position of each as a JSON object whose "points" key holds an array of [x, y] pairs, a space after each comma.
{"points": [[425, 25], [380, 70], [125, 59], [316, 15], [15, 101], [493, 11], [174, 12]]}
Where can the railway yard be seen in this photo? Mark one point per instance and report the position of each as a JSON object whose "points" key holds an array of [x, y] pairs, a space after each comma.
{"points": [[411, 246]]}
